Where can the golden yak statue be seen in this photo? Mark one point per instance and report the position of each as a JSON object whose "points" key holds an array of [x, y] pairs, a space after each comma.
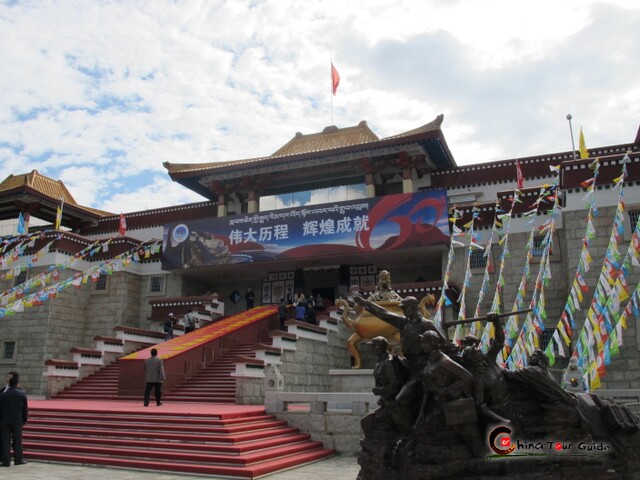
{"points": [[366, 326]]}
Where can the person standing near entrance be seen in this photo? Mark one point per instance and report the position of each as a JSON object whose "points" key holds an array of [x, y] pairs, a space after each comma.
{"points": [[282, 314], [169, 323], [189, 321], [311, 313], [249, 297], [300, 313], [14, 413], [153, 376]]}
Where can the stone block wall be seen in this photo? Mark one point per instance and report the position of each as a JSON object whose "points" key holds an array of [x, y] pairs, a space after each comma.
{"points": [[116, 305], [305, 369], [249, 391], [45, 331], [340, 431], [71, 319]]}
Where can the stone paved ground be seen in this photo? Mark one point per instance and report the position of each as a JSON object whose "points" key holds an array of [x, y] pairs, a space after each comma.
{"points": [[335, 468]]}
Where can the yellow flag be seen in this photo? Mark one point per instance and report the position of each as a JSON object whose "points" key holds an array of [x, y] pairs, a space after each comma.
{"points": [[622, 294], [563, 332], [584, 153], [595, 379], [59, 215], [58, 219]]}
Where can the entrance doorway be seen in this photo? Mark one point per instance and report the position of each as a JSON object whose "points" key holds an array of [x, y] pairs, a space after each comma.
{"points": [[327, 295], [323, 281]]}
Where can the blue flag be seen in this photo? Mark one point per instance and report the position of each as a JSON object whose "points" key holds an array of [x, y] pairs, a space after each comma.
{"points": [[21, 224]]}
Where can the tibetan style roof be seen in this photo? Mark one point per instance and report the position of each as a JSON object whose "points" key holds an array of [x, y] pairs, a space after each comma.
{"points": [[333, 146], [40, 195], [329, 139], [48, 186]]}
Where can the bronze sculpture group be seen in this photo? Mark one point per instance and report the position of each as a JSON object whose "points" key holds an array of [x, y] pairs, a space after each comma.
{"points": [[440, 404], [366, 326]]}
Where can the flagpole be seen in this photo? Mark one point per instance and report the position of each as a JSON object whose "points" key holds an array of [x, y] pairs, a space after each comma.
{"points": [[573, 145]]}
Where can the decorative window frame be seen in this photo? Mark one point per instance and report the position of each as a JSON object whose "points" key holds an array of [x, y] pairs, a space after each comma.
{"points": [[163, 287], [490, 261], [101, 291], [14, 358], [26, 277], [556, 255], [631, 214]]}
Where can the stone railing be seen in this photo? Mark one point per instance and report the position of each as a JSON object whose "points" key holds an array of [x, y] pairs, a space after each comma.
{"points": [[332, 418], [358, 403], [625, 396], [61, 373], [248, 367], [306, 330], [136, 338], [269, 354], [328, 323], [283, 340]]}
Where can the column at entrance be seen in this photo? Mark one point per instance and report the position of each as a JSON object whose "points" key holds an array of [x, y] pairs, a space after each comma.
{"points": [[252, 202]]}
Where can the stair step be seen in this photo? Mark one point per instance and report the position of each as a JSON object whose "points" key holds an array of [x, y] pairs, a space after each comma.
{"points": [[107, 418], [259, 469], [177, 454], [151, 434], [236, 449], [158, 426]]}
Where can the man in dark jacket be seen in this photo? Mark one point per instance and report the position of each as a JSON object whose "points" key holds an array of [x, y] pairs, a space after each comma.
{"points": [[4, 387], [14, 413], [249, 297], [153, 376], [282, 313]]}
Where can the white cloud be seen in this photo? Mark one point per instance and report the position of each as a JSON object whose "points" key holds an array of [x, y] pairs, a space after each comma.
{"points": [[161, 192], [100, 94]]}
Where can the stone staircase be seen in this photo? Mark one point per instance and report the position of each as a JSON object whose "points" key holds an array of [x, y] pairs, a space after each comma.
{"points": [[240, 443], [239, 367], [214, 383], [66, 377], [102, 385]]}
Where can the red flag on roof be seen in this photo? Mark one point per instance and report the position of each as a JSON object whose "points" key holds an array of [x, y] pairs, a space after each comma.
{"points": [[122, 227], [335, 78], [519, 176]]}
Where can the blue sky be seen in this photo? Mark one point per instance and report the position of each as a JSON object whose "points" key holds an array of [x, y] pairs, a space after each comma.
{"points": [[99, 94]]}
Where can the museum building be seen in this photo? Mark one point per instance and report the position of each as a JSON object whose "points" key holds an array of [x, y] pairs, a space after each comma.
{"points": [[322, 215]]}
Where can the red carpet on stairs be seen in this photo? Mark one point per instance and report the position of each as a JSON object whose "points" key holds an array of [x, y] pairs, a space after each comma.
{"points": [[230, 440], [214, 383], [204, 335], [102, 385]]}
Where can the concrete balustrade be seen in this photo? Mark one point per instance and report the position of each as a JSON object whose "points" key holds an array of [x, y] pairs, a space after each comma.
{"points": [[269, 354], [248, 367], [59, 374], [358, 403], [328, 323], [283, 340], [306, 330], [314, 413], [111, 347]]}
